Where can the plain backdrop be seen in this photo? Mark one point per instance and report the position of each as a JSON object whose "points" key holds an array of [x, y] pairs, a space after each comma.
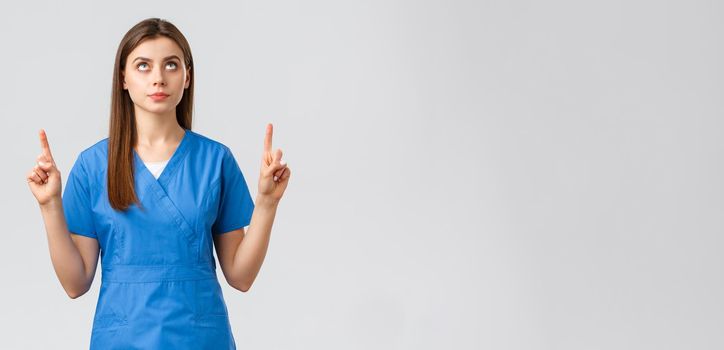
{"points": [[466, 174]]}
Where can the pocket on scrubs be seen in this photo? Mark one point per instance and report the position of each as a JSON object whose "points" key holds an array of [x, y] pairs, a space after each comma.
{"points": [[106, 327], [107, 320], [109, 315], [105, 338], [210, 306]]}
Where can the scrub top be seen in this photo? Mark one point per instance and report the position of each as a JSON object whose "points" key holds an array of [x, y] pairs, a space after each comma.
{"points": [[159, 288]]}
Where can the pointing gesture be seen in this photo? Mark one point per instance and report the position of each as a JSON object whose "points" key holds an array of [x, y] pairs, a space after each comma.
{"points": [[275, 173], [44, 178]]}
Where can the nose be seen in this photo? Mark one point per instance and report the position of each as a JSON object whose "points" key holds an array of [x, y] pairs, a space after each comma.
{"points": [[158, 78]]}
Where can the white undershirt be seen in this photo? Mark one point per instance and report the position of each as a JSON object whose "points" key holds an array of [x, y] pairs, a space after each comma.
{"points": [[156, 167]]}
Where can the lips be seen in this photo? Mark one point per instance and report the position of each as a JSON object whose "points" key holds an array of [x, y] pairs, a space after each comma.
{"points": [[159, 97]]}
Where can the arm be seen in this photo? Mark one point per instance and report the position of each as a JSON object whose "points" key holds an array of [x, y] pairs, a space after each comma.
{"points": [[74, 257], [241, 257], [242, 254]]}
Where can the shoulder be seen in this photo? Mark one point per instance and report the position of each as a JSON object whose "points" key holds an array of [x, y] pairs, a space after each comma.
{"points": [[91, 162], [208, 146], [213, 156], [93, 155], [210, 152]]}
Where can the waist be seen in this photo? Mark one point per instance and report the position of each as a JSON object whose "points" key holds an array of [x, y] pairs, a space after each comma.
{"points": [[157, 273]]}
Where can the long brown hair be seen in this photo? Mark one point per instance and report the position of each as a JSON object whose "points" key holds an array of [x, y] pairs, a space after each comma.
{"points": [[122, 130]]}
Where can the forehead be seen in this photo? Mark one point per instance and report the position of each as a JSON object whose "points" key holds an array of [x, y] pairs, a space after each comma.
{"points": [[156, 49]]}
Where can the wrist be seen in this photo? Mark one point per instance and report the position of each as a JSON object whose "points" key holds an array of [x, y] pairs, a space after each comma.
{"points": [[54, 203], [266, 201]]}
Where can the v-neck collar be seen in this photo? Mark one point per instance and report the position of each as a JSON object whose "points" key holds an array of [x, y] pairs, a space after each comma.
{"points": [[170, 167]]}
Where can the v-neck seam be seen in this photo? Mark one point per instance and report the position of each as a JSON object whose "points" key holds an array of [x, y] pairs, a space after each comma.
{"points": [[171, 164]]}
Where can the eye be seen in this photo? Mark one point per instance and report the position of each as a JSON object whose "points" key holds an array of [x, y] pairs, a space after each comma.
{"points": [[140, 64], [172, 63]]}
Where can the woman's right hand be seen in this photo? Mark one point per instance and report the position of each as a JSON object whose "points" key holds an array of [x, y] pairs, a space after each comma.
{"points": [[44, 178]]}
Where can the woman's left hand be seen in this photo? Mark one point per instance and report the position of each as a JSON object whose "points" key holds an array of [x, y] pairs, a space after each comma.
{"points": [[275, 173]]}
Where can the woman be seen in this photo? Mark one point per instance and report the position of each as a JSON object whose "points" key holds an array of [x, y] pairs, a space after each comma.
{"points": [[153, 198]]}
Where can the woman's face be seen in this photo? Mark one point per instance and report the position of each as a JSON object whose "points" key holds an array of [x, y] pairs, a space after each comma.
{"points": [[156, 65]]}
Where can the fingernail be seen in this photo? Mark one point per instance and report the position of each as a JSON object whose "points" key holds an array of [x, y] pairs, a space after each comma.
{"points": [[283, 162], [275, 177], [41, 163]]}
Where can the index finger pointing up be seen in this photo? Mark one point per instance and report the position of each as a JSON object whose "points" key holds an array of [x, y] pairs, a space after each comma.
{"points": [[44, 144], [268, 137]]}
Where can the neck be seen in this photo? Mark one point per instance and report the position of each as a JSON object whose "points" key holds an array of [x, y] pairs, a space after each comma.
{"points": [[154, 128]]}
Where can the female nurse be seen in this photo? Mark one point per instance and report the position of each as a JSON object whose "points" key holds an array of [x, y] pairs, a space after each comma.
{"points": [[153, 200]]}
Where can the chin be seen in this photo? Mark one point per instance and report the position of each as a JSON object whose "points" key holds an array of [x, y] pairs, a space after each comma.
{"points": [[160, 108]]}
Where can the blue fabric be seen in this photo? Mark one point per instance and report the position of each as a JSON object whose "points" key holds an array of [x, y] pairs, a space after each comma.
{"points": [[159, 288], [76, 201]]}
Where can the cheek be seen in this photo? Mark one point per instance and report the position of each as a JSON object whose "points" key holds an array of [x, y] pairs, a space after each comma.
{"points": [[176, 82], [176, 77], [131, 82], [135, 90], [135, 82]]}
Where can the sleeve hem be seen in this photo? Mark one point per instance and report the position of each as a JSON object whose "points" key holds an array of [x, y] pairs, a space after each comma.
{"points": [[84, 234], [231, 228]]}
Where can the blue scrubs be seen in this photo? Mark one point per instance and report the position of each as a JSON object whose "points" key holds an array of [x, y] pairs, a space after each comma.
{"points": [[159, 288]]}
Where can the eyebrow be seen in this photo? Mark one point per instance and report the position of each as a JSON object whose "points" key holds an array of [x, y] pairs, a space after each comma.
{"points": [[148, 59]]}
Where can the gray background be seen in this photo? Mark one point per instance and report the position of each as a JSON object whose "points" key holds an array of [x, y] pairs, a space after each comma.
{"points": [[466, 174]]}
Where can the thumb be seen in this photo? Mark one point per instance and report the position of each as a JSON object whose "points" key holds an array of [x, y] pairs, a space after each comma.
{"points": [[273, 168]]}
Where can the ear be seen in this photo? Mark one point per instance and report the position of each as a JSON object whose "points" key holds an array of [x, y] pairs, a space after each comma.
{"points": [[123, 78], [188, 78]]}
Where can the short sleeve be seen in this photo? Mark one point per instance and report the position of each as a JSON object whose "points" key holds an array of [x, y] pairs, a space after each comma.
{"points": [[77, 201], [235, 203]]}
